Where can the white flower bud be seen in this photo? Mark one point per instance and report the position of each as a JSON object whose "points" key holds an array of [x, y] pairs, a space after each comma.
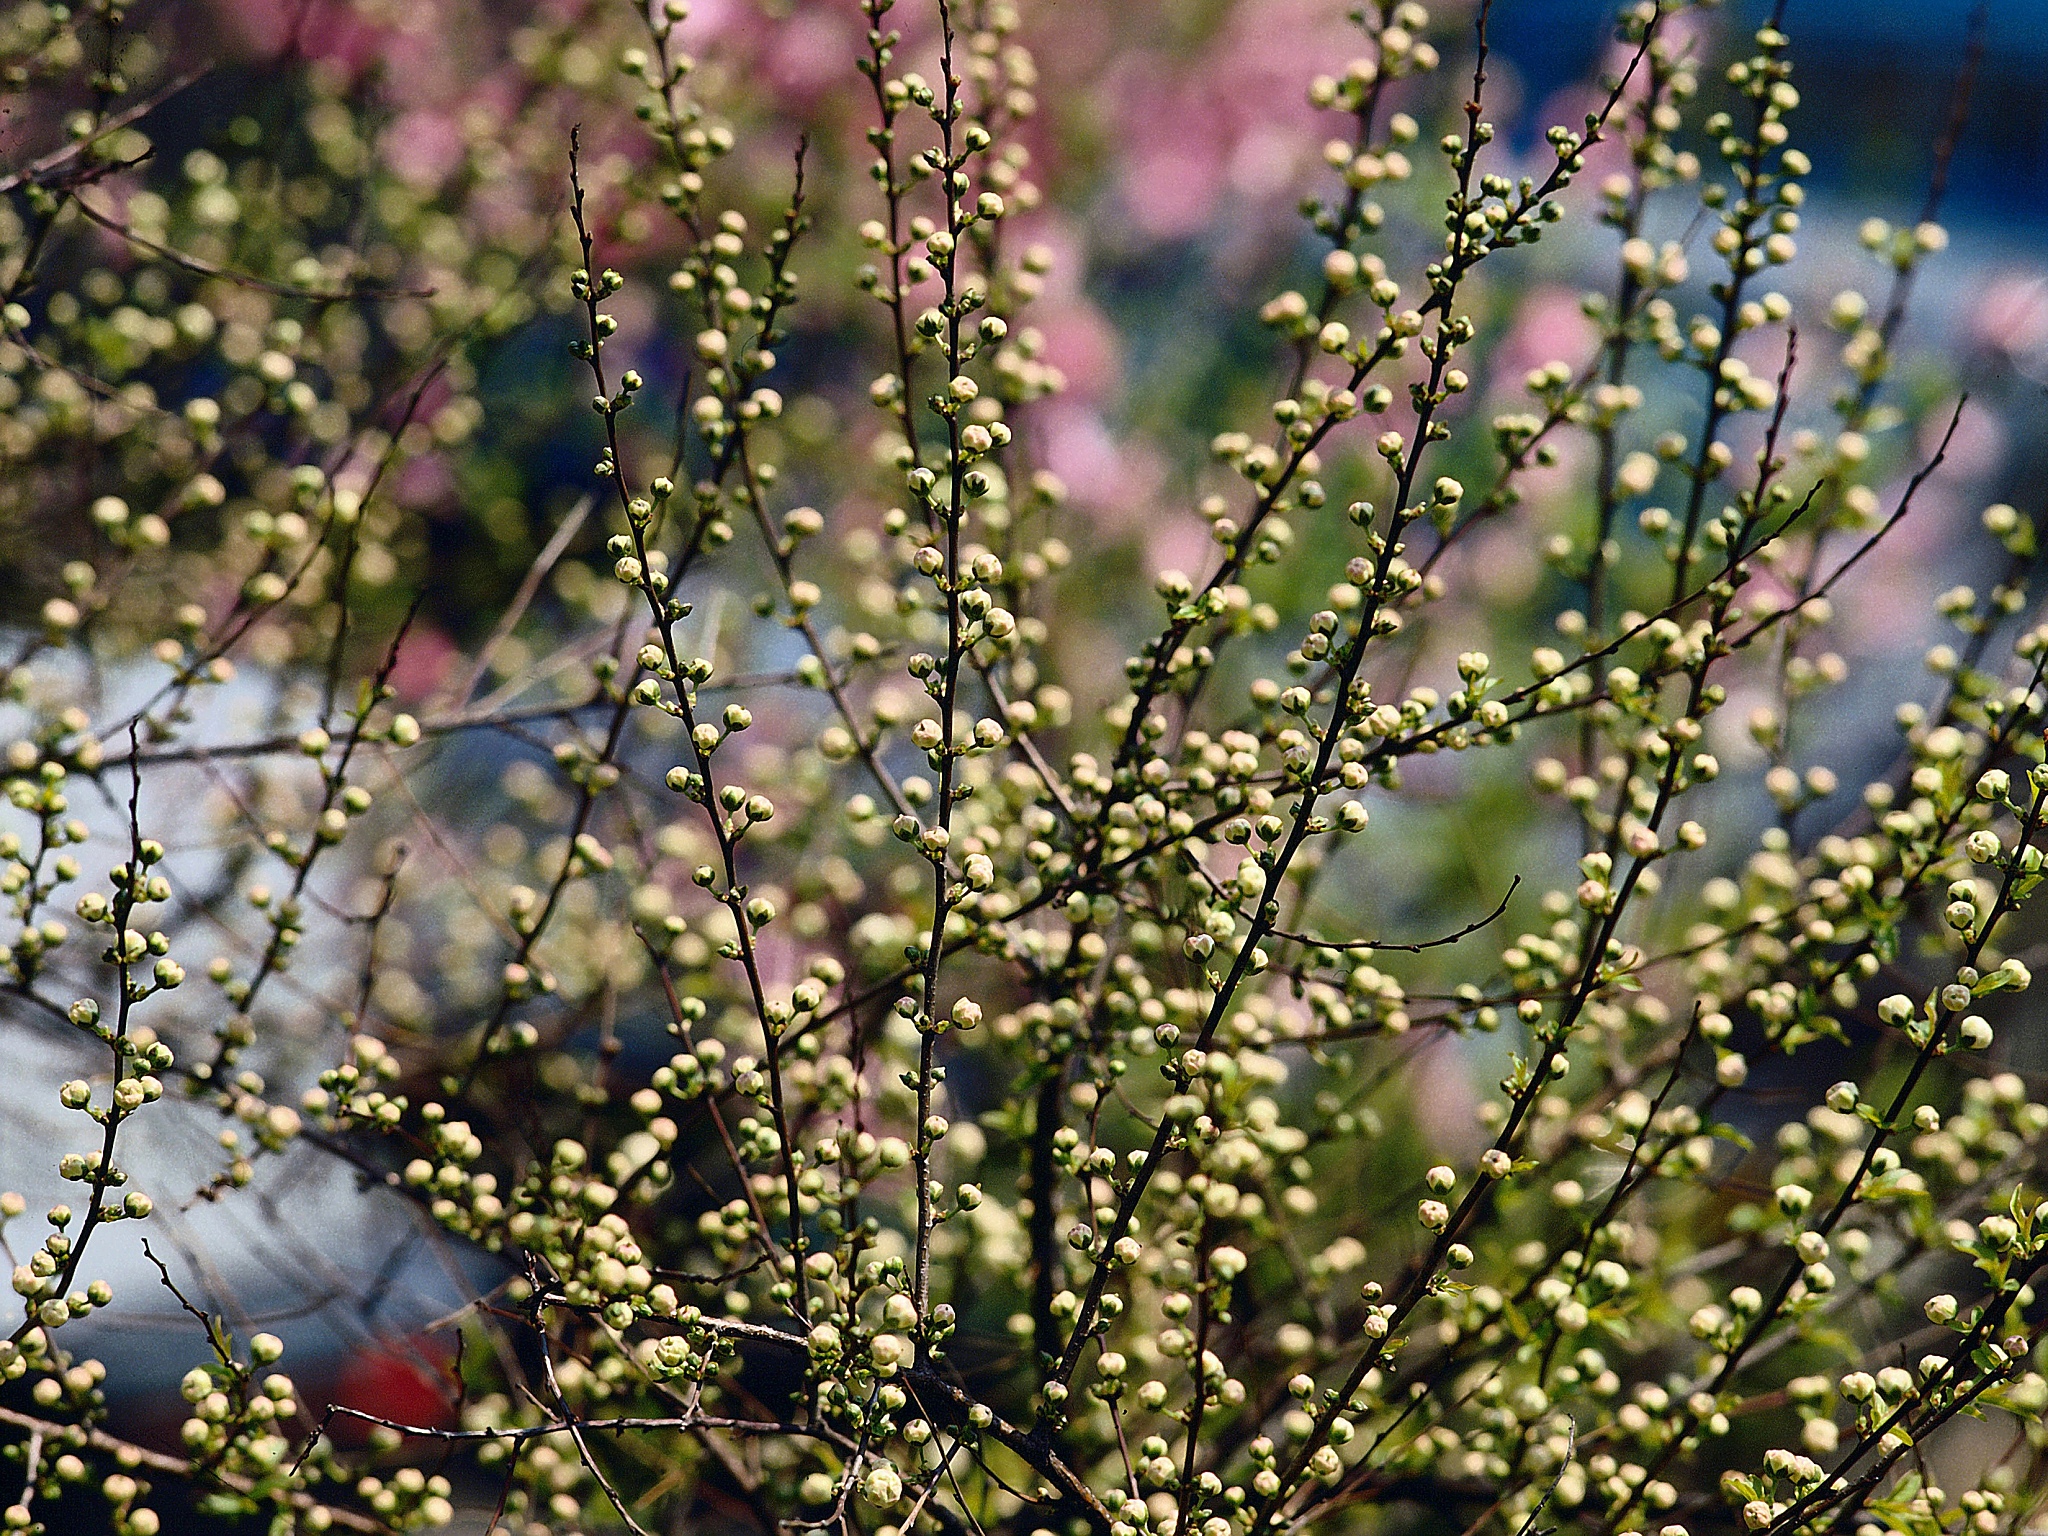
{"points": [[881, 1484]]}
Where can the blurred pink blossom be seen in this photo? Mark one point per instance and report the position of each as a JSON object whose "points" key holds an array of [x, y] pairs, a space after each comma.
{"points": [[2011, 314], [1084, 346], [1548, 327], [314, 29], [426, 663], [811, 53], [424, 147], [1232, 121], [1976, 448], [1103, 475]]}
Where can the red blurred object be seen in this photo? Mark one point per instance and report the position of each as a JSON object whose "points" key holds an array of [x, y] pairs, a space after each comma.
{"points": [[406, 1382]]}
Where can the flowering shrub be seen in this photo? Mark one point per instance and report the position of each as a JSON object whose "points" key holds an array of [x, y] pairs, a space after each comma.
{"points": [[894, 1008]]}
